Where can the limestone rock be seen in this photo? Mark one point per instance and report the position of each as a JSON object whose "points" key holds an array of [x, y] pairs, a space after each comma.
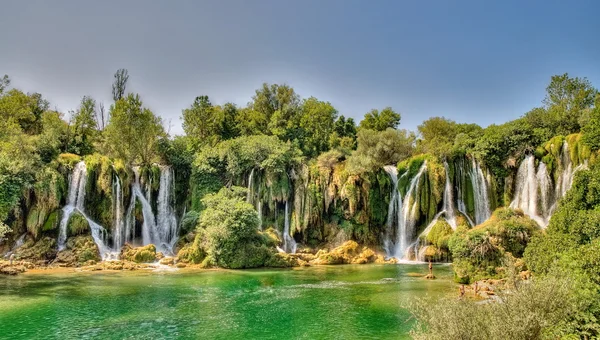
{"points": [[145, 254]]}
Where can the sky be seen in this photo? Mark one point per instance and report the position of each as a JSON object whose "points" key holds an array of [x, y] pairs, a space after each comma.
{"points": [[479, 62]]}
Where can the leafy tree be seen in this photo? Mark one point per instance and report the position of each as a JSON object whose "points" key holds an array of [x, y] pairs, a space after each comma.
{"points": [[119, 84], [133, 131], [228, 121], [200, 122], [280, 106], [84, 128], [317, 123], [15, 106], [250, 122], [566, 101], [380, 121], [379, 148], [591, 131], [53, 139], [4, 83], [230, 228]]}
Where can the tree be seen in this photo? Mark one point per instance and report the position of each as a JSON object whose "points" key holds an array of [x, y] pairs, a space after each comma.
{"points": [[84, 128], [119, 84], [317, 123], [4, 83], [280, 106], [201, 122], [133, 131], [379, 121], [591, 131], [101, 116], [566, 101], [230, 228], [379, 148], [53, 139]]}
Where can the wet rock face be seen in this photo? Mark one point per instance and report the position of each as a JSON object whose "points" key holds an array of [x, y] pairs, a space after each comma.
{"points": [[80, 250], [145, 254]]}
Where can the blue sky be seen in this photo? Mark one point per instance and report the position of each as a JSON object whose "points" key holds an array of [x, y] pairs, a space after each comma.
{"points": [[470, 61]]}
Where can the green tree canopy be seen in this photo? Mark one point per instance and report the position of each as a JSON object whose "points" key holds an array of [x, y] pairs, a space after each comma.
{"points": [[133, 131], [379, 148], [317, 123], [380, 121]]}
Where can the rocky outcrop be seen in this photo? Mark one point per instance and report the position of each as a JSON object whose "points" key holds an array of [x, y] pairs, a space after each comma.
{"points": [[348, 253], [145, 254], [79, 251]]}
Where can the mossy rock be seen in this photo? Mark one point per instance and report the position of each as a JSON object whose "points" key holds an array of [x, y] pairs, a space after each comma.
{"points": [[77, 225], [349, 252], [191, 253], [52, 221], [42, 250], [79, 250], [439, 234], [143, 254]]}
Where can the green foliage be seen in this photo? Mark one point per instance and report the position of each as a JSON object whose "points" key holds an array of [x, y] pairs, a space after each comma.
{"points": [[83, 128], [541, 309], [443, 137], [77, 225], [379, 148], [190, 221], [133, 131], [479, 253], [230, 229], [380, 121], [317, 124], [591, 130], [440, 234]]}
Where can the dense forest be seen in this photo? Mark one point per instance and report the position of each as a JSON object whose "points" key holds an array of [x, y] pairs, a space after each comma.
{"points": [[291, 173]]}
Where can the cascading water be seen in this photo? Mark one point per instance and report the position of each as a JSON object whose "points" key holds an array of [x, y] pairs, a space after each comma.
{"points": [[403, 213], [119, 233], [448, 207], [534, 193], [394, 210], [289, 244], [480, 193], [166, 219], [75, 203], [160, 229]]}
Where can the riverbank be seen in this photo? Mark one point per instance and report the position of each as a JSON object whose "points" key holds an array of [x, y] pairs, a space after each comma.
{"points": [[146, 258]]}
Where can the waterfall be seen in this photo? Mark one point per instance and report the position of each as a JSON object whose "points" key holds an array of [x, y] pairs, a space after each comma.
{"points": [[289, 244], [394, 210], [119, 234], [75, 203], [480, 193], [460, 203], [448, 207], [166, 219], [253, 197], [149, 225], [250, 193], [534, 193], [407, 218]]}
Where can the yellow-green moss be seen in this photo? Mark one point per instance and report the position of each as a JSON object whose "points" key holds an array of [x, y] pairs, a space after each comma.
{"points": [[77, 225]]}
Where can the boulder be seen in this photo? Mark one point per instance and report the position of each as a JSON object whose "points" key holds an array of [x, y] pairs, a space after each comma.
{"points": [[145, 254]]}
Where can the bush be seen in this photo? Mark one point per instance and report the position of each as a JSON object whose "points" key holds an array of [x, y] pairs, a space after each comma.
{"points": [[479, 253], [77, 225], [541, 309], [229, 227]]}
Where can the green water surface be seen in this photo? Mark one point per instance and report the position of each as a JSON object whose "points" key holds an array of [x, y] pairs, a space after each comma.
{"points": [[324, 302]]}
